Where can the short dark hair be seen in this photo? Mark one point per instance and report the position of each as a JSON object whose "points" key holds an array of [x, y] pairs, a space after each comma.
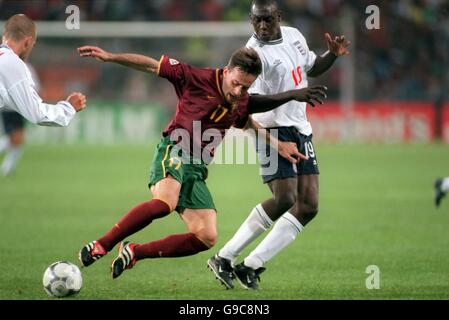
{"points": [[247, 60], [18, 27], [264, 3]]}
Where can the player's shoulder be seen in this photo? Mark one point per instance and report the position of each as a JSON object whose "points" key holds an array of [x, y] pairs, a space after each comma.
{"points": [[206, 72], [11, 62], [253, 42], [291, 33], [203, 77]]}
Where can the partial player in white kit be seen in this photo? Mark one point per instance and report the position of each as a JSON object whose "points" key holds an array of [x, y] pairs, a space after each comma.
{"points": [[441, 187], [287, 63], [14, 124], [17, 91]]}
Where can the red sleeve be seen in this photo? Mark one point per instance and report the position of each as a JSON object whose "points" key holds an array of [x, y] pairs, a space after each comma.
{"points": [[242, 113], [174, 71]]}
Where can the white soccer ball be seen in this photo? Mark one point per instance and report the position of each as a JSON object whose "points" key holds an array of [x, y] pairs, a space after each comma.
{"points": [[62, 279]]}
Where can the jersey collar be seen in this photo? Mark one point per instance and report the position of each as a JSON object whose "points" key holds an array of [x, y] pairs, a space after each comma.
{"points": [[218, 76], [5, 46], [269, 43]]}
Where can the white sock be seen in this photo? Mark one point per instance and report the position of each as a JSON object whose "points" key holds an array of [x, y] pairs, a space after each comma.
{"points": [[445, 185], [257, 222], [283, 233], [4, 143], [11, 159]]}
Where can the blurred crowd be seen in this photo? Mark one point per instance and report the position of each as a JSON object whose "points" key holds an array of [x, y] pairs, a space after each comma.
{"points": [[406, 59]]}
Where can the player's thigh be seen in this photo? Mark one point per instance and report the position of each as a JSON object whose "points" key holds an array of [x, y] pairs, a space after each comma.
{"points": [[17, 137], [202, 223], [284, 188], [308, 191], [167, 190]]}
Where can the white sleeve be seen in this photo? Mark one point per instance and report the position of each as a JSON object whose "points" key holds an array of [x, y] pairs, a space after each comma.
{"points": [[311, 58], [27, 102], [310, 55]]}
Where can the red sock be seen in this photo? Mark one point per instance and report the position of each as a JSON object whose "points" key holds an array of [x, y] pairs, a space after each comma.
{"points": [[137, 219], [178, 245]]}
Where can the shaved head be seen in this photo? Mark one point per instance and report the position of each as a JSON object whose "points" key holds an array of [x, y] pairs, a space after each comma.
{"points": [[18, 27], [263, 4]]}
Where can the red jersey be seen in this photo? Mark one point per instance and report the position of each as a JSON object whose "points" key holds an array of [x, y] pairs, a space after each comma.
{"points": [[201, 105]]}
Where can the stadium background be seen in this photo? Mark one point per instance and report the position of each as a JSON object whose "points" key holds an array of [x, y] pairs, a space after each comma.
{"points": [[381, 140]]}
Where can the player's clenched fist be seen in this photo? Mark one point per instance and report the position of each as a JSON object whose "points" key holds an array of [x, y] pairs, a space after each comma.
{"points": [[77, 100]]}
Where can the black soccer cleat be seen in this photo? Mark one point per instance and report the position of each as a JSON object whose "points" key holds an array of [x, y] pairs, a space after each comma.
{"points": [[223, 270], [248, 277], [439, 194], [125, 259], [91, 252]]}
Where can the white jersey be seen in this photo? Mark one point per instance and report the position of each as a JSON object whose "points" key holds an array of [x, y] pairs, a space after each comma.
{"points": [[17, 93], [285, 65]]}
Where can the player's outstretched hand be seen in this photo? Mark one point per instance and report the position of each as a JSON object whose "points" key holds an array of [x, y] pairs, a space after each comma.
{"points": [[77, 100], [311, 95], [95, 52], [289, 151], [338, 45]]}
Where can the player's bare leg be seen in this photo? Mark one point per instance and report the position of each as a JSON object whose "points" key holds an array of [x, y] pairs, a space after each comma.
{"points": [[165, 199], [306, 206], [202, 234], [14, 151], [284, 197], [202, 223]]}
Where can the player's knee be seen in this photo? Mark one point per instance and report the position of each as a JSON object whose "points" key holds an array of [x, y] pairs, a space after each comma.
{"points": [[171, 202], [285, 201], [17, 139], [208, 236], [311, 210]]}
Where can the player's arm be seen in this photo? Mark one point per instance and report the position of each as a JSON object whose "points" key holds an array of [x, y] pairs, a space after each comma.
{"points": [[264, 103], [27, 102], [131, 60], [337, 47], [288, 150]]}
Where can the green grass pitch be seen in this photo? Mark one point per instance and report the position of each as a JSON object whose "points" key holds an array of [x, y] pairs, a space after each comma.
{"points": [[376, 208]]}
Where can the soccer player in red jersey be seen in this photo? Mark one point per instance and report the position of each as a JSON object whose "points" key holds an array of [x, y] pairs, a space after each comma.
{"points": [[209, 102]]}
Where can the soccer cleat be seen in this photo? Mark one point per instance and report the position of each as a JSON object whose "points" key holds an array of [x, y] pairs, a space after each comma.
{"points": [[91, 253], [439, 194], [125, 259], [248, 277], [223, 270]]}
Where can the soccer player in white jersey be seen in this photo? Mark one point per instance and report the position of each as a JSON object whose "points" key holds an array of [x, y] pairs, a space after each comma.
{"points": [[17, 91], [14, 128], [287, 63]]}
